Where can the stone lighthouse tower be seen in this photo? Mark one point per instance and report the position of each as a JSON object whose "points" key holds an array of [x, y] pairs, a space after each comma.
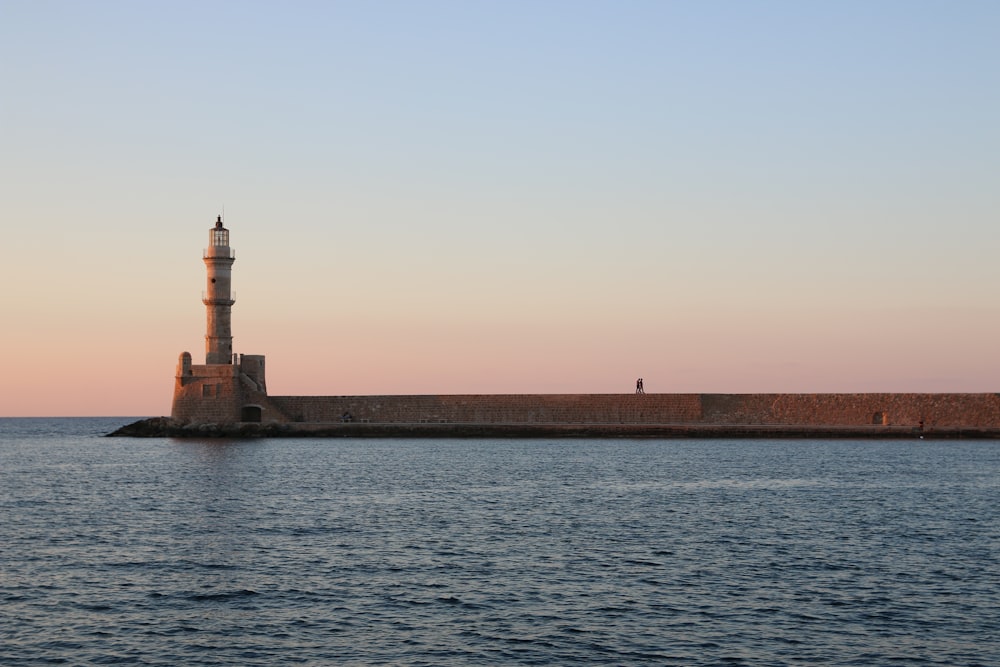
{"points": [[218, 298], [226, 388]]}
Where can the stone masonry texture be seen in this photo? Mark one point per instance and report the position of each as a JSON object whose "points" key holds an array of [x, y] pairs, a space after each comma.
{"points": [[223, 399]]}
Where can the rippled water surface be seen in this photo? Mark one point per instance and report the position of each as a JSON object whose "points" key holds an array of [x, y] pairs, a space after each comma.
{"points": [[468, 552]]}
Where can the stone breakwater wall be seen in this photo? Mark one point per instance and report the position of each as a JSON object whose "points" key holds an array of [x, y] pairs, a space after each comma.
{"points": [[869, 409], [230, 405]]}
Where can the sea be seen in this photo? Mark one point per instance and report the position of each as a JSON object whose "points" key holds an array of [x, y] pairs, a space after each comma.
{"points": [[494, 551]]}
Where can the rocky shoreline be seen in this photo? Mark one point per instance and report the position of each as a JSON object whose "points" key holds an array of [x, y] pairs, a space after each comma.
{"points": [[165, 427]]}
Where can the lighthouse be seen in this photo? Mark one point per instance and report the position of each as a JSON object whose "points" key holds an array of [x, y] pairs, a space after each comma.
{"points": [[218, 297], [227, 388]]}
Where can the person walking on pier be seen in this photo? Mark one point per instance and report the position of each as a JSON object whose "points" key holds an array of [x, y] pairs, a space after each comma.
{"points": [[639, 389]]}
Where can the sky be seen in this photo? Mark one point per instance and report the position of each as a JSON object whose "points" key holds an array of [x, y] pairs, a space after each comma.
{"points": [[546, 196]]}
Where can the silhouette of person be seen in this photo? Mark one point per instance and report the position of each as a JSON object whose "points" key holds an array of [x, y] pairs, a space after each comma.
{"points": [[638, 387]]}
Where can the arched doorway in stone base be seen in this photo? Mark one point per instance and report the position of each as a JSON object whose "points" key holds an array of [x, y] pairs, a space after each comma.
{"points": [[250, 413]]}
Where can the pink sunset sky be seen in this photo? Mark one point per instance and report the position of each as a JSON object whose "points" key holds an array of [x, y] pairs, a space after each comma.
{"points": [[522, 197]]}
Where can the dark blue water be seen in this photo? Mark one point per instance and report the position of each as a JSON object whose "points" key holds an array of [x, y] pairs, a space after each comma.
{"points": [[468, 552]]}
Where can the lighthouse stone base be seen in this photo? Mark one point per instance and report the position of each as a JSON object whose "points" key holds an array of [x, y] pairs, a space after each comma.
{"points": [[221, 393]]}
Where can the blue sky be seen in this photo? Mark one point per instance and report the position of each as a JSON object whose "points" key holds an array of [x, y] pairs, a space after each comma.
{"points": [[450, 197]]}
